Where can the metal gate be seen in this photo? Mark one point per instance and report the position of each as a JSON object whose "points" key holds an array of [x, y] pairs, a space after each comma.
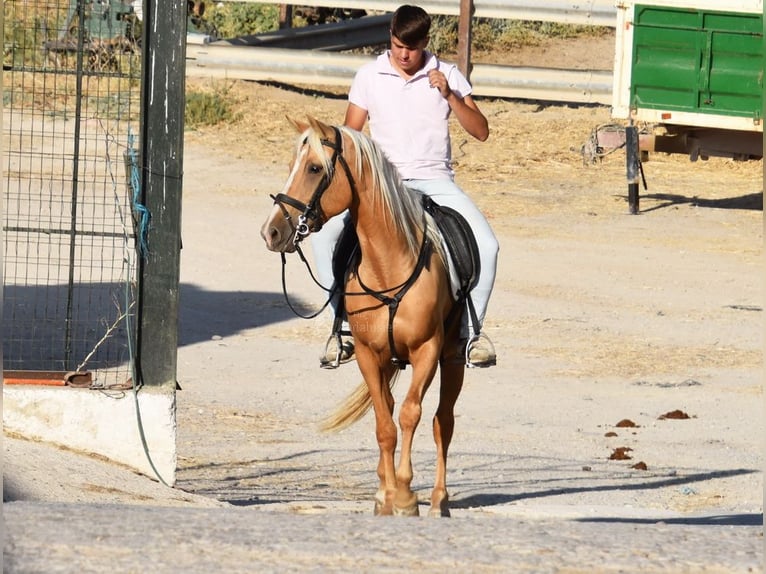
{"points": [[71, 105]]}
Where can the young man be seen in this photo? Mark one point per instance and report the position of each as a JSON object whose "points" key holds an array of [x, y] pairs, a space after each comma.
{"points": [[408, 94]]}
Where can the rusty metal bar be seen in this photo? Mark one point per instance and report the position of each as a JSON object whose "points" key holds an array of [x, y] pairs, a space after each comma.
{"points": [[464, 37]]}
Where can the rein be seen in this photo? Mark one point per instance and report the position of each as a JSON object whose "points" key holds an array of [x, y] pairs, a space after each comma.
{"points": [[313, 212]]}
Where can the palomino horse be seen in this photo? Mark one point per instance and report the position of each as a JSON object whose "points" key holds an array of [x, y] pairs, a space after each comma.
{"points": [[400, 252]]}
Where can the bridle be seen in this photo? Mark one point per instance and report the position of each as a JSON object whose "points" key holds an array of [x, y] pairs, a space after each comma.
{"points": [[312, 218], [312, 212]]}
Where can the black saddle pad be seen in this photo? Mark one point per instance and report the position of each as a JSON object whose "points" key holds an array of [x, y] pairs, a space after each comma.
{"points": [[460, 241]]}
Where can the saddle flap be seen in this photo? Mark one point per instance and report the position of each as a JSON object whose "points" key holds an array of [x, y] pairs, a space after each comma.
{"points": [[345, 256], [460, 241]]}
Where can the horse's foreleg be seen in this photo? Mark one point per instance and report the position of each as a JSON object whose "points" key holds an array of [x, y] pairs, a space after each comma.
{"points": [[406, 501], [443, 426], [385, 432], [378, 383], [423, 371]]}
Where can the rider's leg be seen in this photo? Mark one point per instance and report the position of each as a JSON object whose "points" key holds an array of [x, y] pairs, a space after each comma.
{"points": [[446, 192], [323, 245]]}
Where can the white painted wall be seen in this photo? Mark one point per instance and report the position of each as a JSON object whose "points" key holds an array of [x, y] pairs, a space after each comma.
{"points": [[102, 423]]}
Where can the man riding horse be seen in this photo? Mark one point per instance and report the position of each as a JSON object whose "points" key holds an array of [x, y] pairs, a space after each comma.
{"points": [[408, 94]]}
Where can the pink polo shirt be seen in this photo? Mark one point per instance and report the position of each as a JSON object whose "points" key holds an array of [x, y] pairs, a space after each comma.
{"points": [[408, 118]]}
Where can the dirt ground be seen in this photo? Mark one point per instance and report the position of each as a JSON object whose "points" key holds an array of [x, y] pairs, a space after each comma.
{"points": [[611, 329]]}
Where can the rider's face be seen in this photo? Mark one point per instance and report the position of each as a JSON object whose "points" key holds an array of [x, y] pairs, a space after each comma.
{"points": [[409, 59]]}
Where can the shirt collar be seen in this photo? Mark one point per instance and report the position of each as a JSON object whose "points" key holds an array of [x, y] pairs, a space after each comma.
{"points": [[384, 64]]}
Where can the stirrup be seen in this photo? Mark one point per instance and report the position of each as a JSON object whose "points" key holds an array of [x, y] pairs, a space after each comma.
{"points": [[336, 352], [482, 363]]}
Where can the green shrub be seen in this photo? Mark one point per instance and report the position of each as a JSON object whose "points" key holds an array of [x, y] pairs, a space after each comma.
{"points": [[489, 33], [443, 37], [210, 107], [234, 19], [485, 33]]}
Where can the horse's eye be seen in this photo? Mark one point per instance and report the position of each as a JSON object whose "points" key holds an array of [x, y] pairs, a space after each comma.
{"points": [[315, 169]]}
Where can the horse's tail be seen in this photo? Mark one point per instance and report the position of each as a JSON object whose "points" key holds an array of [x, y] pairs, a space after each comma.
{"points": [[354, 407]]}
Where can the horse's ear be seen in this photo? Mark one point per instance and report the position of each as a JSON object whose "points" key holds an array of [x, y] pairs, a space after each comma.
{"points": [[298, 125], [320, 127]]}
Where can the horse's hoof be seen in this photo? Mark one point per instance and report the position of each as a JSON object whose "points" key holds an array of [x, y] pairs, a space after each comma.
{"points": [[409, 511], [442, 512], [382, 510], [439, 504], [405, 503]]}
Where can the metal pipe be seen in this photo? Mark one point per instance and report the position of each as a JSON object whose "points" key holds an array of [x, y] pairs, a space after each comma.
{"points": [[323, 68], [69, 323]]}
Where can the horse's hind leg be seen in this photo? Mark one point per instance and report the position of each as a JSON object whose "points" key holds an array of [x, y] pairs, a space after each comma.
{"points": [[443, 426]]}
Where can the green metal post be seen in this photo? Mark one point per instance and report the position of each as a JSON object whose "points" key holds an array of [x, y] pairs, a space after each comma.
{"points": [[161, 162]]}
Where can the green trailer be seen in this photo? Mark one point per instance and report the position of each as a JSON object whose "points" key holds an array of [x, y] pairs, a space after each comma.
{"points": [[688, 78]]}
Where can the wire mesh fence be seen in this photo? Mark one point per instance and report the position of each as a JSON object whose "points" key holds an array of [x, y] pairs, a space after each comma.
{"points": [[71, 102]]}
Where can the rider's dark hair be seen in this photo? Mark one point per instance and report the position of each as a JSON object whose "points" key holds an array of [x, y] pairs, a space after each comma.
{"points": [[410, 25]]}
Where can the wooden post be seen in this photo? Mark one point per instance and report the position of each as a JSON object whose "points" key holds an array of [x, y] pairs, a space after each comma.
{"points": [[464, 38], [161, 162], [285, 16]]}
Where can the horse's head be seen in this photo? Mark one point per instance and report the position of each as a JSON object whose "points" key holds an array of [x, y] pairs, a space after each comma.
{"points": [[314, 191]]}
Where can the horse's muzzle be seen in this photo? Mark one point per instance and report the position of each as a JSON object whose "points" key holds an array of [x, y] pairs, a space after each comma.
{"points": [[276, 242], [278, 234]]}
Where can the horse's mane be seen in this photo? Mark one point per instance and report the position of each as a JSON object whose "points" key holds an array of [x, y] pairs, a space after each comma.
{"points": [[402, 205]]}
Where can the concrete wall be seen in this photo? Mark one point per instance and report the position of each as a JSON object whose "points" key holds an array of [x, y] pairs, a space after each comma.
{"points": [[103, 423]]}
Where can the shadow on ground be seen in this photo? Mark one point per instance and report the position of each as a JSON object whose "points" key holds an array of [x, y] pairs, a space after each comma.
{"points": [[343, 476], [205, 314], [751, 201], [755, 519]]}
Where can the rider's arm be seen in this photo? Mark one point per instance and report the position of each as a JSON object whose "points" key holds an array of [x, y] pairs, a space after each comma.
{"points": [[469, 115], [355, 117]]}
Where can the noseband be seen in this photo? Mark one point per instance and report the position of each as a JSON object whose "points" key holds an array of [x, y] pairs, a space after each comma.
{"points": [[312, 212]]}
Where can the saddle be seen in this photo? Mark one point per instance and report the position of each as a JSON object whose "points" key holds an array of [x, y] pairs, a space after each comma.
{"points": [[464, 264], [461, 245]]}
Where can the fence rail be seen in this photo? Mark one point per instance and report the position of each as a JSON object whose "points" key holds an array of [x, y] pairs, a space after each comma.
{"points": [[587, 12], [230, 60], [332, 69]]}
